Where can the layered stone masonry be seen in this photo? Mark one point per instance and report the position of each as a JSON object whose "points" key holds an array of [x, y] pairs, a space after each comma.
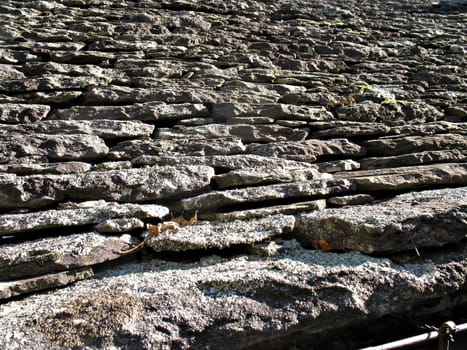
{"points": [[342, 125]]}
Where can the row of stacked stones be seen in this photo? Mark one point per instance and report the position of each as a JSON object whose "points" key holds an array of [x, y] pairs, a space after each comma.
{"points": [[320, 145]]}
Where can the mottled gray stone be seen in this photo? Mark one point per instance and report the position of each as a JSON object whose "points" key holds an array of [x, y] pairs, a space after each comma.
{"points": [[22, 113], [54, 147], [119, 225], [355, 199], [308, 150], [49, 255], [392, 146], [413, 220], [204, 235], [260, 194], [247, 133], [223, 162], [79, 214], [260, 176], [53, 82], [107, 129], [128, 150], [45, 168], [132, 185], [229, 303], [34, 284], [408, 178], [151, 111], [338, 165], [418, 158], [266, 211]]}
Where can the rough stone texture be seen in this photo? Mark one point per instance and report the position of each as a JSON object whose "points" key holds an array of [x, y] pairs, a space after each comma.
{"points": [[297, 190], [49, 255], [77, 214], [408, 221], [204, 235], [229, 303], [230, 112], [133, 185]]}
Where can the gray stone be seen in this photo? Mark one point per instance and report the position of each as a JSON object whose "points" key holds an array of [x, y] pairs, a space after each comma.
{"points": [[260, 176], [408, 178], [355, 199], [405, 222], [79, 214], [247, 133], [49, 255], [266, 211], [151, 111], [228, 303], [54, 147], [266, 193], [45, 168], [418, 158], [119, 225], [127, 150], [133, 185], [106, 129], [308, 150], [223, 162], [34, 284], [204, 235], [338, 165], [391, 146], [22, 113]]}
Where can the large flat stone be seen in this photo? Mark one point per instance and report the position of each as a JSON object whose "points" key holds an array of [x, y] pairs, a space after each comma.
{"points": [[55, 147], [221, 235], [308, 150], [79, 214], [34, 284], [22, 113], [408, 178], [49, 255], [128, 150], [229, 303], [132, 185], [247, 133], [261, 194], [414, 220], [107, 129]]}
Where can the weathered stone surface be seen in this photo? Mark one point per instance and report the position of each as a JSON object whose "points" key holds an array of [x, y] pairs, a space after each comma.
{"points": [[418, 158], [348, 129], [204, 235], [261, 176], [45, 168], [133, 185], [22, 113], [338, 165], [286, 209], [151, 111], [355, 199], [78, 214], [247, 133], [306, 151], [259, 194], [54, 147], [409, 144], [128, 150], [107, 129], [201, 299], [406, 222], [408, 178], [34, 284], [119, 225], [48, 255], [223, 162]]}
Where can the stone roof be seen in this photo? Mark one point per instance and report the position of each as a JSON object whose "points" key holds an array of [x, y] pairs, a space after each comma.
{"points": [[206, 175]]}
